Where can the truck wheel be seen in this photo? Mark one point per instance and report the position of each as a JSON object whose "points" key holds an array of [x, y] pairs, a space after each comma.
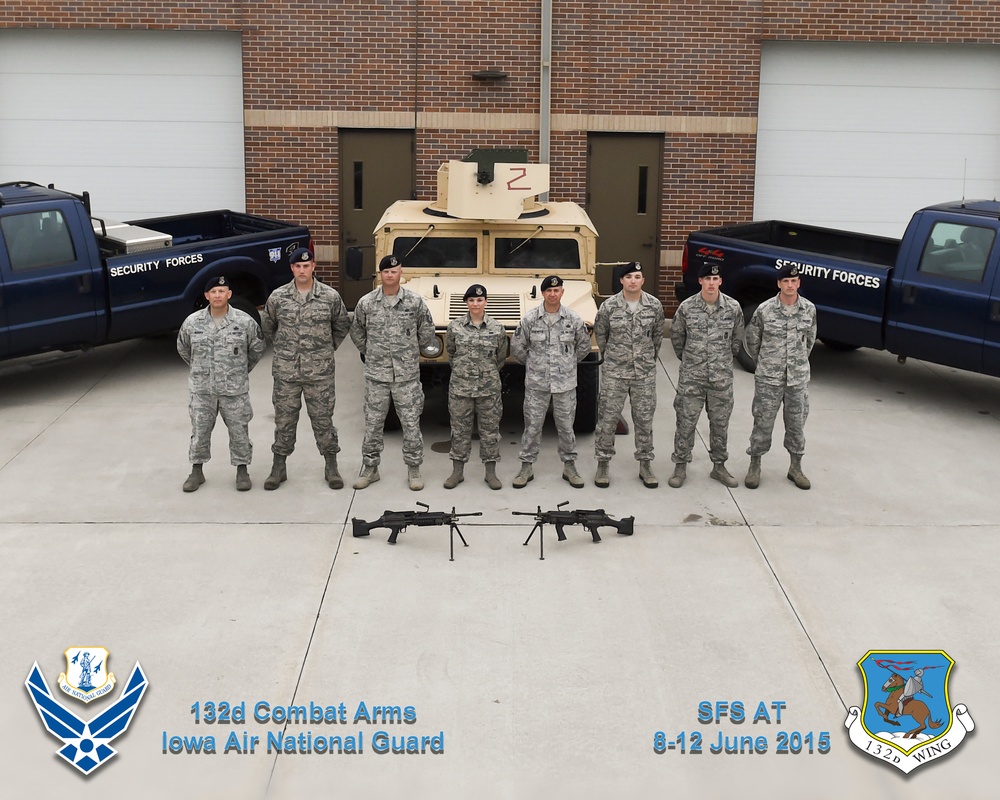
{"points": [[243, 304], [842, 347], [588, 377], [744, 358]]}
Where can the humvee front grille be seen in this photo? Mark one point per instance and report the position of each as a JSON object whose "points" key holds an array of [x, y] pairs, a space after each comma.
{"points": [[505, 308]]}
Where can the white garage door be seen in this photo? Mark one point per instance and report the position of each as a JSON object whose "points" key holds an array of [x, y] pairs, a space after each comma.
{"points": [[859, 136], [149, 122]]}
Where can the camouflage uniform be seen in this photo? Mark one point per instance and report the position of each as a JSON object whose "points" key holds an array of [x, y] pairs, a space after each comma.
{"points": [[550, 354], [705, 338], [630, 343], [781, 338], [477, 353], [221, 357], [389, 333], [305, 330]]}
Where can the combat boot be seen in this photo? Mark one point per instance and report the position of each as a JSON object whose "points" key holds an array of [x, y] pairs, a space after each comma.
{"points": [[796, 475], [602, 478], [649, 480], [522, 477], [676, 481], [457, 475], [368, 476], [413, 476], [721, 474], [278, 474], [571, 475], [752, 480], [491, 476], [331, 474], [243, 483], [195, 479]]}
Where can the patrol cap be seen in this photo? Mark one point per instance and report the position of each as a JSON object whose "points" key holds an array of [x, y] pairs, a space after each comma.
{"points": [[708, 269], [388, 262], [552, 282], [300, 256], [476, 290], [788, 271], [631, 267], [219, 281]]}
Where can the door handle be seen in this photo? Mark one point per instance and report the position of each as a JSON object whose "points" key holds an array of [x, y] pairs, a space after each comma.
{"points": [[909, 294], [83, 283], [995, 311]]}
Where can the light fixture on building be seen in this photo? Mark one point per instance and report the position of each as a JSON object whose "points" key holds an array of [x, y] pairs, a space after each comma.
{"points": [[490, 75]]}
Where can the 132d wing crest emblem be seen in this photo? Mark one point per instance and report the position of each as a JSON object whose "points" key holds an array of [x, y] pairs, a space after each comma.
{"points": [[906, 718], [86, 743]]}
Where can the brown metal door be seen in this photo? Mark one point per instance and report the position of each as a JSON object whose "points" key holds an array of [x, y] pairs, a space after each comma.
{"points": [[376, 170], [623, 200]]}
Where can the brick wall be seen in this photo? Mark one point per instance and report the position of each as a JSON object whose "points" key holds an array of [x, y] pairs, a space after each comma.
{"points": [[613, 64]]}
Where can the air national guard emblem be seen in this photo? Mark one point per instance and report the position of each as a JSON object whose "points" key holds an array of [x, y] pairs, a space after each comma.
{"points": [[86, 743], [86, 677], [274, 253], [907, 719]]}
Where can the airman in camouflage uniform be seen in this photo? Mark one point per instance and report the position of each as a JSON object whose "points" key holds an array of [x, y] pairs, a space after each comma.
{"points": [[550, 340], [477, 347], [306, 321], [221, 345], [390, 326], [706, 333], [780, 337], [628, 329]]}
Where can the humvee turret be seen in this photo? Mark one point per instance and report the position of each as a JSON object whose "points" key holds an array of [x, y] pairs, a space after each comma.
{"points": [[488, 226]]}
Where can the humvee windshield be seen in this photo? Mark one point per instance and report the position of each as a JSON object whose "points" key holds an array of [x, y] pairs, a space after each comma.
{"points": [[535, 253], [436, 252]]}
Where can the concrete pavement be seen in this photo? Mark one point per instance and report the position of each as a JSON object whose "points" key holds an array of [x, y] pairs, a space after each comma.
{"points": [[537, 677]]}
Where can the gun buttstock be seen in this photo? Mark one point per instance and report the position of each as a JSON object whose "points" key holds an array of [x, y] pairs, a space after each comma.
{"points": [[627, 526], [361, 528]]}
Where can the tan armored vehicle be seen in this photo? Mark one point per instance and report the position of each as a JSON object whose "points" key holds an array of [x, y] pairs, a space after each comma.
{"points": [[487, 226]]}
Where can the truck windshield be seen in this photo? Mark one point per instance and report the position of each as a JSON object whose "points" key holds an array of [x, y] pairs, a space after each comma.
{"points": [[536, 253], [435, 252]]}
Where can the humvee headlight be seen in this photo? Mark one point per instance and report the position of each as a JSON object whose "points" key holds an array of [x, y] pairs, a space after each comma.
{"points": [[432, 350]]}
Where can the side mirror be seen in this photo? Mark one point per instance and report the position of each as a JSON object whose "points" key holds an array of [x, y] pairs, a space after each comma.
{"points": [[354, 263]]}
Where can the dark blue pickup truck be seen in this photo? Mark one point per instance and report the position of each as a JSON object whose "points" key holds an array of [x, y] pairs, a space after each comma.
{"points": [[70, 281], [933, 295]]}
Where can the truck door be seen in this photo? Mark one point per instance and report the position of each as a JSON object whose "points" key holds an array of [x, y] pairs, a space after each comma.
{"points": [[991, 344], [940, 300], [4, 346], [48, 284]]}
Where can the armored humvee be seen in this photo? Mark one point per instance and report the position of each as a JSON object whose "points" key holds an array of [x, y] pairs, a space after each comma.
{"points": [[488, 226]]}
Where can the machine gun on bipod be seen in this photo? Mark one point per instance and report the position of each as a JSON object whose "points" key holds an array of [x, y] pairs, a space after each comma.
{"points": [[591, 519], [398, 521]]}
